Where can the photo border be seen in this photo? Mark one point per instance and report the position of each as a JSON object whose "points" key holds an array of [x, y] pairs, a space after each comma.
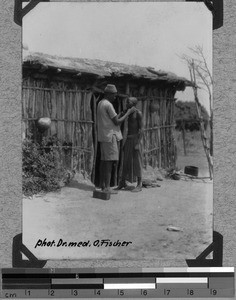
{"points": [[15, 93]]}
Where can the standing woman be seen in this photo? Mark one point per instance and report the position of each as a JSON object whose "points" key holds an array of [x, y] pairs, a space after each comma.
{"points": [[132, 165]]}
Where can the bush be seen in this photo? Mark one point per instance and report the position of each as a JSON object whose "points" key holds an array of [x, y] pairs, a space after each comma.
{"points": [[187, 111], [42, 166]]}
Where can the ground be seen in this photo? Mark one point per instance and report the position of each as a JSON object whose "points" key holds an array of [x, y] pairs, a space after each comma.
{"points": [[73, 215], [142, 218]]}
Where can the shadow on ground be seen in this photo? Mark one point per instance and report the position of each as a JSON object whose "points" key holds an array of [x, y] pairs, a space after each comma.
{"points": [[81, 186]]}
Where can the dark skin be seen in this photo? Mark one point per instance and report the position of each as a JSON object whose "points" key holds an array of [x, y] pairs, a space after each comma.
{"points": [[119, 119], [135, 127], [106, 165]]}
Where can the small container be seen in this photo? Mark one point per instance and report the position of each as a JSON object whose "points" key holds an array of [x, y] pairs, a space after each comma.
{"points": [[44, 123], [191, 170], [101, 195]]}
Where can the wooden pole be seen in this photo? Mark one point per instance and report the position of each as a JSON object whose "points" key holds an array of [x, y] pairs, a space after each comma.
{"points": [[125, 131], [202, 129], [94, 108], [183, 135]]}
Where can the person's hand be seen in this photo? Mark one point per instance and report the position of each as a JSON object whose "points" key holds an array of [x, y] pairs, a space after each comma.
{"points": [[131, 110]]}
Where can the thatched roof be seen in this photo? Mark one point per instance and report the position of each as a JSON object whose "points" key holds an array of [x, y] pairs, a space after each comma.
{"points": [[100, 68]]}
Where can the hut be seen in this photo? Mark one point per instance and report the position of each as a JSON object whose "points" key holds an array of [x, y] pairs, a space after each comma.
{"points": [[67, 91]]}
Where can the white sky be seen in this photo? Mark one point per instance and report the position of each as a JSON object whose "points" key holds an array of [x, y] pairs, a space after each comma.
{"points": [[142, 33]]}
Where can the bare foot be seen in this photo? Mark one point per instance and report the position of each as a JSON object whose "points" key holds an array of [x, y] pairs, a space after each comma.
{"points": [[137, 189], [122, 185]]}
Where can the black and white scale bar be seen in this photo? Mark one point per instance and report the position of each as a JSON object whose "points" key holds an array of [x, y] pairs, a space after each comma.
{"points": [[114, 275], [130, 280], [26, 280], [77, 281], [157, 274], [77, 286], [26, 286], [129, 286], [98, 283], [127, 293], [190, 283], [68, 286]]}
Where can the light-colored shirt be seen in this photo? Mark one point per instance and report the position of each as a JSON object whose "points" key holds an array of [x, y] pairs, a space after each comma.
{"points": [[106, 127]]}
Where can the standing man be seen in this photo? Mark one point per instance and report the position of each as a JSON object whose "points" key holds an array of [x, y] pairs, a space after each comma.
{"points": [[109, 134], [132, 165]]}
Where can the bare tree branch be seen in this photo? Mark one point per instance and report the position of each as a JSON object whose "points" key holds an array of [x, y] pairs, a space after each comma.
{"points": [[201, 76]]}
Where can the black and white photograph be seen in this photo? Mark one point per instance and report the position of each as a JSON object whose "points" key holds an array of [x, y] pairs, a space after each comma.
{"points": [[117, 130]]}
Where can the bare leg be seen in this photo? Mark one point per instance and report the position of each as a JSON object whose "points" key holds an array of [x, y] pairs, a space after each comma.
{"points": [[139, 186], [101, 173], [139, 183], [122, 184], [107, 168]]}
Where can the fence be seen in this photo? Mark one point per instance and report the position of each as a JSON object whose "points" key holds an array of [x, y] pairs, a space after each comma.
{"points": [[72, 120], [158, 121]]}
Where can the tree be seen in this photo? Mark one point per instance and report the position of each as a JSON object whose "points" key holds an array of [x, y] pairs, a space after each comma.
{"points": [[201, 77]]}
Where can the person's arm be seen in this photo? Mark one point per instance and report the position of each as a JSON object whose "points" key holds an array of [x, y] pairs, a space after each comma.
{"points": [[140, 124], [140, 129], [122, 113], [117, 120]]}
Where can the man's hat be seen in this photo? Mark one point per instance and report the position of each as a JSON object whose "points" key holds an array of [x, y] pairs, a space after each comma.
{"points": [[110, 88]]}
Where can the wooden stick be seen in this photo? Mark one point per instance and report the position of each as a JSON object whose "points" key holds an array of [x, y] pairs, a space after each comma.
{"points": [[62, 120], [158, 127], [52, 89], [95, 145], [183, 135], [72, 148], [79, 99]]}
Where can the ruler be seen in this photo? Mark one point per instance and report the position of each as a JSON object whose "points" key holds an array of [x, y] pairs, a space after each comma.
{"points": [[118, 283]]}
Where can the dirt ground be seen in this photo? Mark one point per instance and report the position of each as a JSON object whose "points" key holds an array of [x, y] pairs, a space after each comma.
{"points": [[138, 220], [73, 215]]}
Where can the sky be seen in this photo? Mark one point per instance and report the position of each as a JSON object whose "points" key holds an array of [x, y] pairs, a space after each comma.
{"points": [[152, 34]]}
